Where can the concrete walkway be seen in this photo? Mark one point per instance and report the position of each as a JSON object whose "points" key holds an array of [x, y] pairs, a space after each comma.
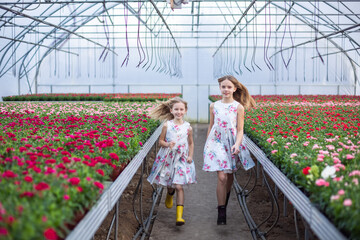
{"points": [[200, 208]]}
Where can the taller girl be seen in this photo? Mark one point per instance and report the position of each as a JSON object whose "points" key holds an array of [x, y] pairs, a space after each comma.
{"points": [[224, 138]]}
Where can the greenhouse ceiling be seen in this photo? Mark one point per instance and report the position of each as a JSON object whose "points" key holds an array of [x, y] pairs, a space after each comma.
{"points": [[268, 27]]}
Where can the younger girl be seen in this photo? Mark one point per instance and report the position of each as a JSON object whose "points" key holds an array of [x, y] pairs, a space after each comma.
{"points": [[224, 138], [173, 165]]}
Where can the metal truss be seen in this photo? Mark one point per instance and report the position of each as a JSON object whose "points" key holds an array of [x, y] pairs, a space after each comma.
{"points": [[38, 24]]}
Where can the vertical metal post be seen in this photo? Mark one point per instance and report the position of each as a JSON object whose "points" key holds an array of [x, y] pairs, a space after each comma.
{"points": [[117, 220], [51, 88], [285, 206], [89, 88], [128, 88], [276, 192]]}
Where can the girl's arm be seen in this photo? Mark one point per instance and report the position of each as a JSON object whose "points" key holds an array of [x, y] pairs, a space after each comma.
{"points": [[211, 119], [191, 146], [240, 129], [162, 136]]}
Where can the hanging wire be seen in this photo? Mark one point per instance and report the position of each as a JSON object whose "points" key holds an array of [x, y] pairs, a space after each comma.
{"points": [[254, 40], [138, 42], [126, 15], [317, 23]]}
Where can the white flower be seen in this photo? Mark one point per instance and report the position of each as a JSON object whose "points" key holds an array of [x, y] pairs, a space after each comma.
{"points": [[328, 171]]}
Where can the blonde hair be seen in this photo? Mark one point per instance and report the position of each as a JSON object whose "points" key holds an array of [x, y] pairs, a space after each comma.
{"points": [[241, 94], [162, 111]]}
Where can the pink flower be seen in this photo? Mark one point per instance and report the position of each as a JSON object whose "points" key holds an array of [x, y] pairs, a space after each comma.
{"points": [[293, 155], [334, 197], [349, 156], [321, 182], [66, 197], [347, 202], [274, 151], [355, 181], [306, 144], [341, 192]]}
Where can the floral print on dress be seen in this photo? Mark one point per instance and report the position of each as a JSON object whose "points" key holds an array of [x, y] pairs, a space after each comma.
{"points": [[222, 136], [170, 165]]}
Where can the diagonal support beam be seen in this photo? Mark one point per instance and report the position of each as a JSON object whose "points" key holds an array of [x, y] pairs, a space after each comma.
{"points": [[234, 28], [167, 26], [55, 26], [37, 44], [318, 38]]}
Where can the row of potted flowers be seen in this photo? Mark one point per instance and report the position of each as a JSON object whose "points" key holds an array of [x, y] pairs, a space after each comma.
{"points": [[314, 140], [56, 157], [110, 97]]}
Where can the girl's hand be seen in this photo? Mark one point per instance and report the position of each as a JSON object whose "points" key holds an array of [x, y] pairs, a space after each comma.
{"points": [[189, 160], [171, 144], [235, 149]]}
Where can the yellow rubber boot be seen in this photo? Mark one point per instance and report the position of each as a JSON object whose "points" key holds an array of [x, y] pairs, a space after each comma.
{"points": [[179, 213], [169, 200]]}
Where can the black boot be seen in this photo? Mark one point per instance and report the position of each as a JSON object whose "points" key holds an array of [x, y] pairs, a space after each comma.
{"points": [[221, 215], [227, 198]]}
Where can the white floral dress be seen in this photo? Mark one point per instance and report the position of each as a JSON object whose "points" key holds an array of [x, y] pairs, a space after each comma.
{"points": [[222, 136], [170, 165]]}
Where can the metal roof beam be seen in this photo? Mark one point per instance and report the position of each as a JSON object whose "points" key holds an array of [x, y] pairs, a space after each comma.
{"points": [[55, 26]]}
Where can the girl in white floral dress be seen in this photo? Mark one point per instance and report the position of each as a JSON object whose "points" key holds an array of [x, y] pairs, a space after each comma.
{"points": [[225, 138], [173, 166]]}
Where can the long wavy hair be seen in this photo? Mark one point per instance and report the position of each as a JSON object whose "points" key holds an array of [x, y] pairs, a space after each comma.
{"points": [[241, 94], [162, 110]]}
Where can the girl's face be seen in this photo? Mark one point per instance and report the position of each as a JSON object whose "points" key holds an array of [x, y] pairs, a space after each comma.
{"points": [[227, 89], [178, 110]]}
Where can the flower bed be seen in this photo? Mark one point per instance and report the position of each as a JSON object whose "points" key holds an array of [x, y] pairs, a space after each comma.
{"points": [[110, 97], [314, 141], [55, 158]]}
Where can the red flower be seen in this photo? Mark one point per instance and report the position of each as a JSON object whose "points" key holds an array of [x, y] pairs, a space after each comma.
{"points": [[66, 197], [9, 174], [100, 171], [306, 170], [3, 231], [42, 186], [22, 149], [28, 179], [99, 185], [114, 156], [74, 180], [27, 194], [122, 145], [50, 234]]}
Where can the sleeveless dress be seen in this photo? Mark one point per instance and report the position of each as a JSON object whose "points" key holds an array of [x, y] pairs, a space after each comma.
{"points": [[222, 136], [170, 165]]}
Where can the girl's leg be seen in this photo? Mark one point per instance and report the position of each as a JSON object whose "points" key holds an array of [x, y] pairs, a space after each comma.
{"points": [[221, 188], [221, 196], [229, 183], [179, 205], [179, 195]]}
